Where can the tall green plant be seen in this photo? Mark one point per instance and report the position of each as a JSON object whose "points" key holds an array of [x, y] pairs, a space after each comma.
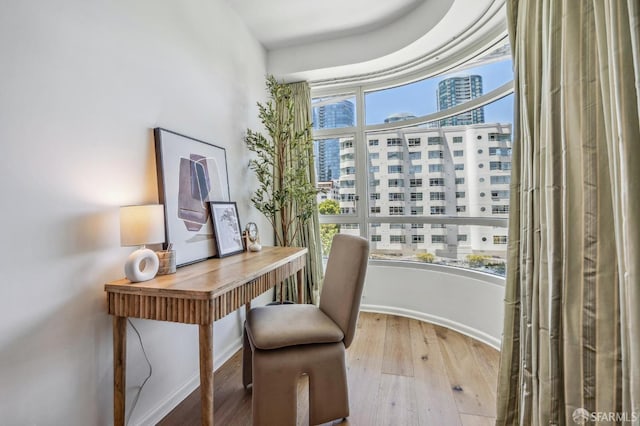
{"points": [[284, 195]]}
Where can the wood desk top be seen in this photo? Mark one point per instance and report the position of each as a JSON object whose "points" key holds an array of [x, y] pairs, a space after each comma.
{"points": [[206, 291]]}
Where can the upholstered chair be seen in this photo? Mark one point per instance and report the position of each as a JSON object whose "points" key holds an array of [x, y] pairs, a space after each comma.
{"points": [[283, 342]]}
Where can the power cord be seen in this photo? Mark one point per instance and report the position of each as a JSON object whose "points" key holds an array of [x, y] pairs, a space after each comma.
{"points": [[135, 400]]}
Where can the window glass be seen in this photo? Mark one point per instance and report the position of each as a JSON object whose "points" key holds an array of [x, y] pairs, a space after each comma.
{"points": [[430, 95], [336, 175], [333, 112]]}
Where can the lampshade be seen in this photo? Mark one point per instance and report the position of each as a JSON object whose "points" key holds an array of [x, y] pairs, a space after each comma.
{"points": [[140, 225]]}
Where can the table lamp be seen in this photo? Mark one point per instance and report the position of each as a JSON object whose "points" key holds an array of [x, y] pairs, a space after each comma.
{"points": [[140, 225]]}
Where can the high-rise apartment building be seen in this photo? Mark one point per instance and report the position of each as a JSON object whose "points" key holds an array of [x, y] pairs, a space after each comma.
{"points": [[455, 91], [435, 172], [327, 151]]}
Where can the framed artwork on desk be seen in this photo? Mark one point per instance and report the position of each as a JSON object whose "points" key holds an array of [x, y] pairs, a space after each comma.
{"points": [[191, 174], [226, 224]]}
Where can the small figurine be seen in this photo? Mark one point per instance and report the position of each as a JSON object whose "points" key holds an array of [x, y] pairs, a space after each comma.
{"points": [[253, 237]]}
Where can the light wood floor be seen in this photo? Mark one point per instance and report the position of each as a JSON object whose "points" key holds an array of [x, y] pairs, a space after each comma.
{"points": [[402, 372]]}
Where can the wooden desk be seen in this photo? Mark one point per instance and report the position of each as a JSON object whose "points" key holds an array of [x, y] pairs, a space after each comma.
{"points": [[196, 294]]}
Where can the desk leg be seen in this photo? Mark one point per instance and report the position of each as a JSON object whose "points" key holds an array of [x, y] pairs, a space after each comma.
{"points": [[301, 286], [206, 373], [119, 368]]}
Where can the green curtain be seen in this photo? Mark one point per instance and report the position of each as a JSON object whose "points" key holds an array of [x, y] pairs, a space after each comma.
{"points": [[310, 235], [571, 342]]}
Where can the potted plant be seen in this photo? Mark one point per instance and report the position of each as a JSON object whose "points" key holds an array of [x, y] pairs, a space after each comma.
{"points": [[285, 194]]}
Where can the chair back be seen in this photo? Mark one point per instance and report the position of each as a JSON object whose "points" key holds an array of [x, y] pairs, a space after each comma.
{"points": [[344, 281]]}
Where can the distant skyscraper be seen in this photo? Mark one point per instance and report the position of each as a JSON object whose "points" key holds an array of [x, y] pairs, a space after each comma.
{"points": [[455, 91], [401, 116], [327, 151]]}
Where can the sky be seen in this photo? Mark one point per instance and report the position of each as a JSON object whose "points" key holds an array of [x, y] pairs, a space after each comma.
{"points": [[419, 98]]}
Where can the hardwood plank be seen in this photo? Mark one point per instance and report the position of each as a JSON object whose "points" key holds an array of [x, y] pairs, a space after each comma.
{"points": [[396, 401], [433, 390], [470, 390], [364, 364], [471, 420], [397, 348]]}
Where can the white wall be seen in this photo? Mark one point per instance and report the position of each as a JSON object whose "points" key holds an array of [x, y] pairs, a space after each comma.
{"points": [[82, 83], [466, 301]]}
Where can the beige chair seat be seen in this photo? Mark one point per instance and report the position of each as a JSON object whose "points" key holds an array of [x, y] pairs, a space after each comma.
{"points": [[273, 327]]}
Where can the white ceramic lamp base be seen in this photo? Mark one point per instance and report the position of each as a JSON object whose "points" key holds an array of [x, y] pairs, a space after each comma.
{"points": [[133, 270]]}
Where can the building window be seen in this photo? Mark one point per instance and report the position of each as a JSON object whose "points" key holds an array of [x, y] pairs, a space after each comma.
{"points": [[396, 226], [462, 237], [417, 225], [346, 144], [395, 183], [397, 239], [375, 210], [347, 157], [415, 183], [374, 182], [436, 182], [500, 209], [459, 181], [395, 155], [394, 142], [376, 238], [461, 209], [437, 210], [438, 239], [436, 154], [373, 142], [374, 196], [438, 226], [500, 195], [457, 139], [499, 165], [415, 155], [505, 137], [416, 168], [458, 153], [416, 196], [434, 140], [417, 211], [436, 196], [414, 141], [347, 197], [496, 180], [396, 196], [499, 239], [374, 156], [459, 166], [436, 168], [396, 211], [460, 194], [347, 184], [348, 170], [374, 169], [415, 239], [394, 169], [500, 151]]}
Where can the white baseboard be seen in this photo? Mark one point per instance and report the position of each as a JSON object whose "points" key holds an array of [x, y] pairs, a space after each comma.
{"points": [[421, 316], [153, 416]]}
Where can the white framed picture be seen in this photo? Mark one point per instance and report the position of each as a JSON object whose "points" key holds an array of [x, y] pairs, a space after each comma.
{"points": [[226, 225]]}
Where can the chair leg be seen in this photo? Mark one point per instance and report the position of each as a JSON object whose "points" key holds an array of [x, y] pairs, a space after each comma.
{"points": [[328, 387], [247, 360], [274, 400]]}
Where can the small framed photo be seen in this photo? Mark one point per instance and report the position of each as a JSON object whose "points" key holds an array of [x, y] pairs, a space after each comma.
{"points": [[226, 226]]}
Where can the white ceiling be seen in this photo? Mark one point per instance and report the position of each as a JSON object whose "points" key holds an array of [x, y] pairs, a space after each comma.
{"points": [[285, 23], [331, 42]]}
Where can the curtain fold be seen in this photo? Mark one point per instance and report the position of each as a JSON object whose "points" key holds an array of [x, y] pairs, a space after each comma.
{"points": [[309, 236], [572, 302]]}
